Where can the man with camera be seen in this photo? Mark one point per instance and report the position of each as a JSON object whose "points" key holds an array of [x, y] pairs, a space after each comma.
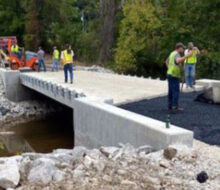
{"points": [[190, 65]]}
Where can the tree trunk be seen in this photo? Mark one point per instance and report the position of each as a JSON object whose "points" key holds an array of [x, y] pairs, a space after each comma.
{"points": [[108, 10], [33, 25], [165, 5]]}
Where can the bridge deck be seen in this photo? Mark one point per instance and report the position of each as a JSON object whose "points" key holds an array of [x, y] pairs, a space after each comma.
{"points": [[102, 86], [107, 86]]}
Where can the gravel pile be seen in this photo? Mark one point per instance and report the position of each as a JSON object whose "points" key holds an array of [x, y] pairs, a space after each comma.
{"points": [[94, 68], [201, 118], [117, 168]]}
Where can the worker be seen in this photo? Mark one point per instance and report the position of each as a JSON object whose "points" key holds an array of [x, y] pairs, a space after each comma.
{"points": [[67, 59], [15, 50], [190, 65], [56, 57], [41, 56], [173, 64]]}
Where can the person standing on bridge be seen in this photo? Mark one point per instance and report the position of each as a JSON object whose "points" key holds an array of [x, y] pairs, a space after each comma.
{"points": [[190, 65], [41, 55], [56, 57], [67, 59], [173, 64]]}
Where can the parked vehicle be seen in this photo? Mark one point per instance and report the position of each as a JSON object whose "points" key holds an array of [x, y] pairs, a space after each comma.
{"points": [[27, 59]]}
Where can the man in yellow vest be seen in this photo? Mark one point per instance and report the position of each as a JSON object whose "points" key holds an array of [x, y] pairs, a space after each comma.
{"points": [[67, 59], [190, 65], [56, 57], [173, 64], [15, 50]]}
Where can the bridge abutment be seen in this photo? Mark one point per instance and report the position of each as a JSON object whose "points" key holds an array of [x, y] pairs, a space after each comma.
{"points": [[15, 91]]}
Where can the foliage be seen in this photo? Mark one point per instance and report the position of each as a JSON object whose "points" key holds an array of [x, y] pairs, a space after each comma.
{"points": [[142, 50], [133, 37], [12, 18], [138, 39]]}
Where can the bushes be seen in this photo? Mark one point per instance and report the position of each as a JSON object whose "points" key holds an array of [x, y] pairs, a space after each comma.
{"points": [[209, 66], [138, 38]]}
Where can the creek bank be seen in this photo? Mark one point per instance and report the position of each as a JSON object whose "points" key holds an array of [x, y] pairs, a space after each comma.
{"points": [[121, 168], [12, 114]]}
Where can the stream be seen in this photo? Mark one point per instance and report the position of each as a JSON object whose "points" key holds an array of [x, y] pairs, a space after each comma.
{"points": [[54, 131]]}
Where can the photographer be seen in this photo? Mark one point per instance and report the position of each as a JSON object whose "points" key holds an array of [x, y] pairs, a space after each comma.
{"points": [[190, 65]]}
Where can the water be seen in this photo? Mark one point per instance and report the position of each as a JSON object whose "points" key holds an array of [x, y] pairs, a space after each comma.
{"points": [[55, 131]]}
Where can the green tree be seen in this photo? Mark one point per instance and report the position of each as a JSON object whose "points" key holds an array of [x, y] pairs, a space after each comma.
{"points": [[11, 18], [138, 41], [147, 37]]}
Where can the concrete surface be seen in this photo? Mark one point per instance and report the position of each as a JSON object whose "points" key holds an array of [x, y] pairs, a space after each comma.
{"points": [[208, 82], [214, 85], [121, 89], [50, 89], [98, 124], [12, 83]]}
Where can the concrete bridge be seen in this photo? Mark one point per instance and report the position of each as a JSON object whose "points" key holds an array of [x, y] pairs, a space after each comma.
{"points": [[94, 98]]}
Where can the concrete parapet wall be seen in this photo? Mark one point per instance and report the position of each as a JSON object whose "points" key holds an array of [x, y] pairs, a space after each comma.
{"points": [[214, 85], [12, 83], [98, 124]]}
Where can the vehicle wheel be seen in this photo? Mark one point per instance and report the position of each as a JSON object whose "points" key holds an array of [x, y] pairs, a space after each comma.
{"points": [[14, 66], [35, 67]]}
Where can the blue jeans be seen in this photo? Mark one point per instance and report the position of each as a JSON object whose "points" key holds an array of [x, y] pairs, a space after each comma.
{"points": [[55, 65], [190, 74], [41, 64], [68, 68], [173, 91]]}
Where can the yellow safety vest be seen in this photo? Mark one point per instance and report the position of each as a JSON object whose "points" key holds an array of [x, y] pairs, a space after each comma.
{"points": [[67, 58], [56, 54], [173, 69], [14, 49], [192, 59]]}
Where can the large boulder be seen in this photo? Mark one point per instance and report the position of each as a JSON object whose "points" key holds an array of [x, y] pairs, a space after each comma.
{"points": [[9, 174], [43, 171], [68, 156]]}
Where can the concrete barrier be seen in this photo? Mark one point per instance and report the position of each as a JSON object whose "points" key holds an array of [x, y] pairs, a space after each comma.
{"points": [[13, 88], [214, 85], [98, 124]]}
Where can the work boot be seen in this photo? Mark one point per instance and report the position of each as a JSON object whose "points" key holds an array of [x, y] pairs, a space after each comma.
{"points": [[177, 109]]}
